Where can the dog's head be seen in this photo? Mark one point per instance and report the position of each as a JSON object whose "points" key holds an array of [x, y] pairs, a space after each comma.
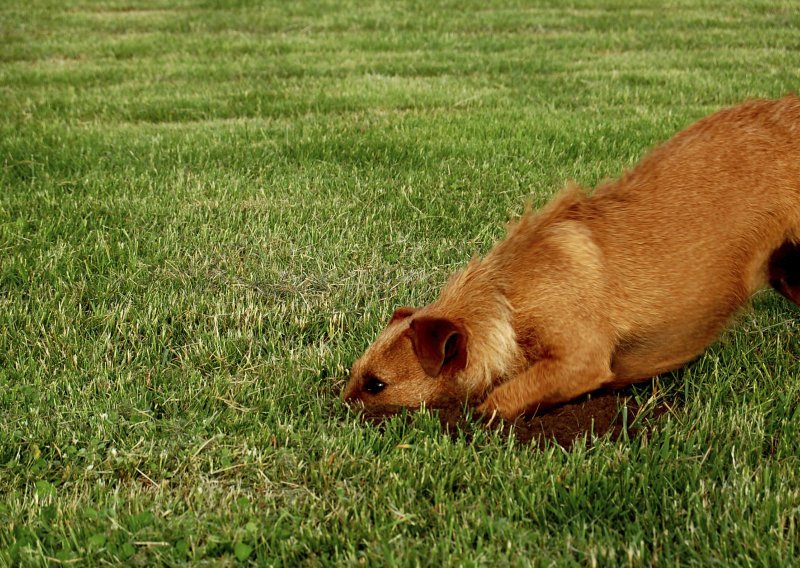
{"points": [[415, 360]]}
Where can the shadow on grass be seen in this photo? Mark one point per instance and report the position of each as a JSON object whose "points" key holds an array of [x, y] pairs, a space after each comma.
{"points": [[613, 413]]}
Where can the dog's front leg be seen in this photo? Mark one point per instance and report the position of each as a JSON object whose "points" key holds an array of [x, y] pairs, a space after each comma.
{"points": [[547, 383]]}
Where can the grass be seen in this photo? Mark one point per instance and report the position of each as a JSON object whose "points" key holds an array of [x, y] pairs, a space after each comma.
{"points": [[208, 209]]}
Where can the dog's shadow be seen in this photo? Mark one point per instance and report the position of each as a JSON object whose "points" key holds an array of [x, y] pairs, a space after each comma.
{"points": [[616, 414]]}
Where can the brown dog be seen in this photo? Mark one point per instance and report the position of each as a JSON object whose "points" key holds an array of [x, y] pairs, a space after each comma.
{"points": [[613, 288]]}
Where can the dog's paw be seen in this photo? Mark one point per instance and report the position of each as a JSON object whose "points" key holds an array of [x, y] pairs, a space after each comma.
{"points": [[491, 409]]}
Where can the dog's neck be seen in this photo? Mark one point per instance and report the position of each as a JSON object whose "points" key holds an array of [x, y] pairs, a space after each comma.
{"points": [[475, 297]]}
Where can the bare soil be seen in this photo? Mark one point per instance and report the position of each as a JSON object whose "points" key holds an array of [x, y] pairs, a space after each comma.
{"points": [[615, 413]]}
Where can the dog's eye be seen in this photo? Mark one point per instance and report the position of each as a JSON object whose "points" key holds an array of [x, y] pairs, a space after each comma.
{"points": [[373, 385]]}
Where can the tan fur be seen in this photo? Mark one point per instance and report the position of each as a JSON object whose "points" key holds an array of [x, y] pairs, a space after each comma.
{"points": [[613, 288]]}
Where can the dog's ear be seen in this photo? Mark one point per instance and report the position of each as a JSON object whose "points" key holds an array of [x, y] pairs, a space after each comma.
{"points": [[402, 313], [439, 344]]}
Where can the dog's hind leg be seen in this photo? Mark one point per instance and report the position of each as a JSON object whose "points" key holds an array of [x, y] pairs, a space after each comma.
{"points": [[784, 271]]}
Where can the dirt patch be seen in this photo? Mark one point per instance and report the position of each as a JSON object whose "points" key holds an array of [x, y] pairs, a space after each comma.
{"points": [[616, 414]]}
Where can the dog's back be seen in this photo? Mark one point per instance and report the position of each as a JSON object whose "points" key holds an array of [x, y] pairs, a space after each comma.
{"points": [[687, 236], [663, 257]]}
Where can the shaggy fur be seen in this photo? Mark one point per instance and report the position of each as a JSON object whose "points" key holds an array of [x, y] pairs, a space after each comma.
{"points": [[613, 288]]}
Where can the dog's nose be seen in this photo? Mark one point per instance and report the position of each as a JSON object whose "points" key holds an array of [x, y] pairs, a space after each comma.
{"points": [[350, 393]]}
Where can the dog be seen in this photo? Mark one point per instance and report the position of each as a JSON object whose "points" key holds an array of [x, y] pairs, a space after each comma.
{"points": [[608, 289]]}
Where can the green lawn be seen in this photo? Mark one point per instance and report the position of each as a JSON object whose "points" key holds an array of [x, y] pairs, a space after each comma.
{"points": [[209, 208]]}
